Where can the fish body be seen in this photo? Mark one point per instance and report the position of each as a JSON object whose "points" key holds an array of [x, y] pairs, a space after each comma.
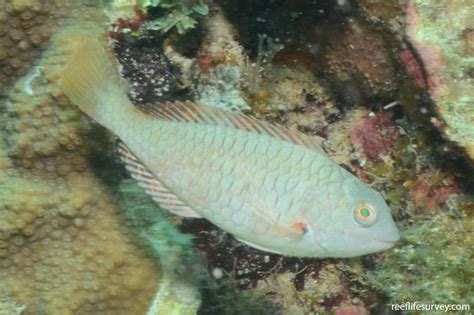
{"points": [[270, 188]]}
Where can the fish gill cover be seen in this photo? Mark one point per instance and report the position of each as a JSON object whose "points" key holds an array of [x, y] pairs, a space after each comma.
{"points": [[375, 83]]}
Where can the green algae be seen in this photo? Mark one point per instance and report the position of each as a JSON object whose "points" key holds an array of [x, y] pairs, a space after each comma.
{"points": [[226, 298], [445, 27], [178, 291], [180, 15], [431, 264], [8, 306]]}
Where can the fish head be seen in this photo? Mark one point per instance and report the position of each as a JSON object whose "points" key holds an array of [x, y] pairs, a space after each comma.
{"points": [[358, 222]]}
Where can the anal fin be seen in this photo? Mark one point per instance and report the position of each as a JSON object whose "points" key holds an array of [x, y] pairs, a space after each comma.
{"points": [[166, 199]]}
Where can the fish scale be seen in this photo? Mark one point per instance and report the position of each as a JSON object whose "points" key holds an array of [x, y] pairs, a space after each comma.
{"points": [[202, 138]]}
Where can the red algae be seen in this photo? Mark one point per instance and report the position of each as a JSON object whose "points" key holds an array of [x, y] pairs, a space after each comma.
{"points": [[375, 136], [413, 68], [432, 190], [125, 26], [428, 52]]}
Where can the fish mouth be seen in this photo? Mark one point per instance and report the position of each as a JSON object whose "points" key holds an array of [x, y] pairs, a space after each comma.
{"points": [[391, 240], [387, 243], [390, 236], [376, 243]]}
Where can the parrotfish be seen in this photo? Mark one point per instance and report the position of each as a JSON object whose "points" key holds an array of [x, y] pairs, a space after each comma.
{"points": [[272, 188]]}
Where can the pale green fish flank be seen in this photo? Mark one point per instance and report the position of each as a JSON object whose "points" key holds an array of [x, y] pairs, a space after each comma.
{"points": [[271, 188]]}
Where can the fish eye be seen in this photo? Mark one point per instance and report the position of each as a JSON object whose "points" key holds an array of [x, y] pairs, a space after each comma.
{"points": [[365, 214]]}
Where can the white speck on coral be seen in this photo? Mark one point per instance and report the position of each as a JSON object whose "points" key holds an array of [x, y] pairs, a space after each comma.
{"points": [[27, 85]]}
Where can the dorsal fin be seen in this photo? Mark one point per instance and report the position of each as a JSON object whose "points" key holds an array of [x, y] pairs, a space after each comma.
{"points": [[166, 199], [204, 114]]}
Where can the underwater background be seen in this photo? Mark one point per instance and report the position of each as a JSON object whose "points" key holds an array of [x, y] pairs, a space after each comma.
{"points": [[386, 85]]}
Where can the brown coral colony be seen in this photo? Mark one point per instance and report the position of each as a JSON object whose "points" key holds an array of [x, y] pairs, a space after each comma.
{"points": [[24, 31]]}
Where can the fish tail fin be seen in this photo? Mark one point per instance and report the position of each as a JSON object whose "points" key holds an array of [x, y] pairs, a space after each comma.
{"points": [[92, 82]]}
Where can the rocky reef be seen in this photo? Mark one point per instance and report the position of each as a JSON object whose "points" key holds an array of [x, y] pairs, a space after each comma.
{"points": [[441, 35], [358, 60], [348, 87], [377, 84]]}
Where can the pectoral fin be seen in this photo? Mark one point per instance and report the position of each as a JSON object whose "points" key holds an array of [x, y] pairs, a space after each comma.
{"points": [[295, 230]]}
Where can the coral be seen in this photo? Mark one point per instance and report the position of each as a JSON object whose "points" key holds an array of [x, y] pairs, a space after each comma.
{"points": [[221, 39], [358, 59], [64, 248], [180, 14], [219, 85], [73, 256], [439, 34], [431, 265], [375, 136], [25, 27]]}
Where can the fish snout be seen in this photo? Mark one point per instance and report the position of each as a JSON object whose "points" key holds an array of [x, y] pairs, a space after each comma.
{"points": [[388, 239], [393, 237]]}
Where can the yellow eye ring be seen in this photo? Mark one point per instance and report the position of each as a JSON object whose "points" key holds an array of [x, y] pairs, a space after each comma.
{"points": [[365, 214]]}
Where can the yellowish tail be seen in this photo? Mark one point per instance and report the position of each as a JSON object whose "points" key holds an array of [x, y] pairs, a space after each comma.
{"points": [[91, 82]]}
